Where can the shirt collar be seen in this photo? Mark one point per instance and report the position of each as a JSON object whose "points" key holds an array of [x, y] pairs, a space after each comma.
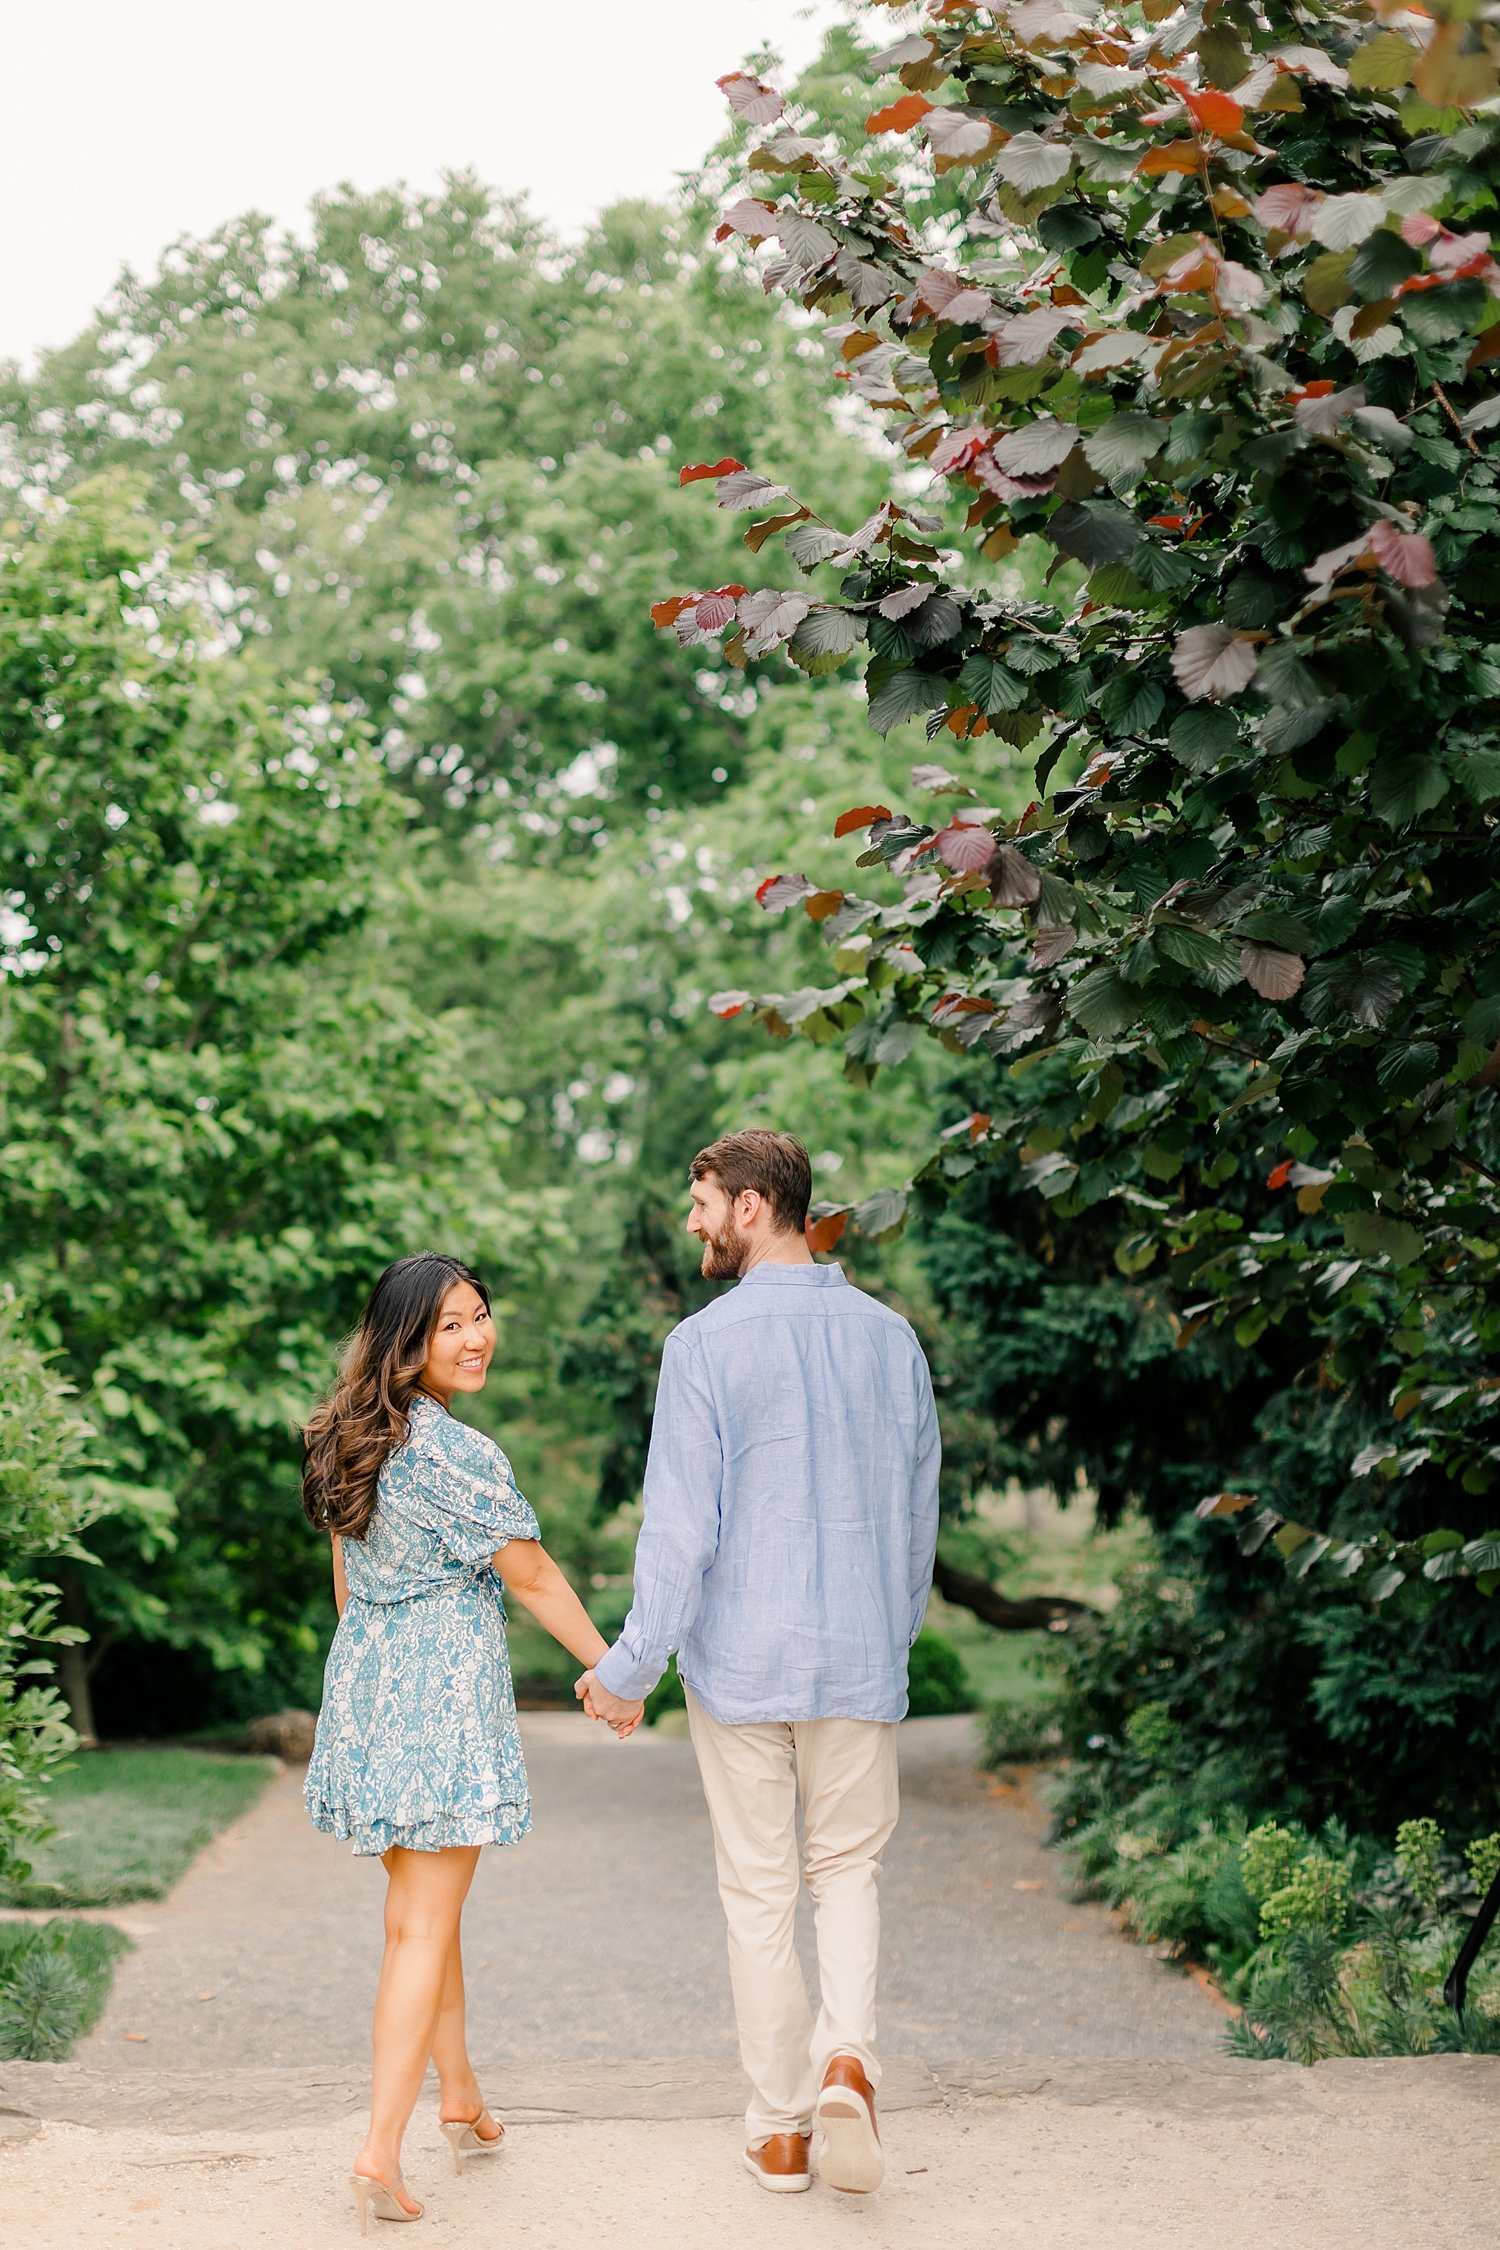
{"points": [[795, 1277]]}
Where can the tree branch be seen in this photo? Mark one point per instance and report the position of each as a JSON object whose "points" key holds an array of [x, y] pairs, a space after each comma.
{"points": [[1034, 1614]]}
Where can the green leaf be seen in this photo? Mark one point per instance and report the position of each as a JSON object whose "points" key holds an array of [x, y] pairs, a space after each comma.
{"points": [[882, 1216], [1103, 1003], [990, 685], [1209, 957], [826, 632], [1131, 703], [1283, 677], [1252, 602], [1118, 585], [1381, 264], [1376, 1234], [1273, 925], [1476, 767], [905, 695], [1439, 316], [1382, 63], [1202, 738], [1159, 568], [1094, 532], [1365, 986], [1135, 1253], [1325, 284], [1403, 787], [1121, 447], [1405, 1068]]}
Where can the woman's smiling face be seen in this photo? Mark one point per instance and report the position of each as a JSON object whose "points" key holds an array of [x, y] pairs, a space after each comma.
{"points": [[461, 1346]]}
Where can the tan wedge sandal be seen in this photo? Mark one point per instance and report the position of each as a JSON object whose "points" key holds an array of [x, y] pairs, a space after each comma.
{"points": [[373, 2195], [461, 2137]]}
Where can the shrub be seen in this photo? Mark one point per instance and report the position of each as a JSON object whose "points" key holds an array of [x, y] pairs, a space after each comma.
{"points": [[54, 1979], [44, 1504], [667, 1695], [937, 1681], [1021, 1734]]}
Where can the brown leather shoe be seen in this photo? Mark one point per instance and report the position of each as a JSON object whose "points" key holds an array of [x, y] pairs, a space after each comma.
{"points": [[780, 2163], [852, 2158]]}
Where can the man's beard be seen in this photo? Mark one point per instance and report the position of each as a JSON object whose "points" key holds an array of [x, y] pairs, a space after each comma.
{"points": [[724, 1253]]}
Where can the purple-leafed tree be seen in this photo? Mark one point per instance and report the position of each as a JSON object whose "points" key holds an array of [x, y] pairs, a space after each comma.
{"points": [[1185, 319]]}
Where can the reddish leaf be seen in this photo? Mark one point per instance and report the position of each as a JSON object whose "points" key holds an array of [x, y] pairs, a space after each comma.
{"points": [[1225, 1503], [1173, 156], [1051, 944], [712, 469], [1403, 555], [1211, 661], [667, 613], [779, 891], [1487, 348], [1013, 879], [823, 903], [713, 612], [767, 528], [1216, 113], [965, 847], [749, 217], [751, 98], [905, 599], [1280, 1175], [961, 1004], [822, 1234], [860, 816], [1288, 208], [1275, 975], [729, 1003], [979, 1124], [900, 117]]}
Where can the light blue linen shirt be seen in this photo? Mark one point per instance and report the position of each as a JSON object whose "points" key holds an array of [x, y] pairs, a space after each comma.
{"points": [[791, 1506]]}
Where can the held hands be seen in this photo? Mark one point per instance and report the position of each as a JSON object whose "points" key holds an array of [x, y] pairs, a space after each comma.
{"points": [[613, 1709]]}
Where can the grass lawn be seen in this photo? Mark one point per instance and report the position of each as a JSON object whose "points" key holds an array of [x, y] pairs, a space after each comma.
{"points": [[90, 1950], [1038, 1548], [128, 1822]]}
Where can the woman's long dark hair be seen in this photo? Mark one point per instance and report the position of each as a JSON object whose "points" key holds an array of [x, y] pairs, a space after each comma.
{"points": [[364, 1417]]}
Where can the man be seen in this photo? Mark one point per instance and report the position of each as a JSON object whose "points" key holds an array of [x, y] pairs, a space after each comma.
{"points": [[786, 1555]]}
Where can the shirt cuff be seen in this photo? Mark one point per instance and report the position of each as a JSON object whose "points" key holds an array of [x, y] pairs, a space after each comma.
{"points": [[623, 1676]]}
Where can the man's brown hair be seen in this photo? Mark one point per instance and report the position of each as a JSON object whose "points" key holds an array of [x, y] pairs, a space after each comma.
{"points": [[774, 1164]]}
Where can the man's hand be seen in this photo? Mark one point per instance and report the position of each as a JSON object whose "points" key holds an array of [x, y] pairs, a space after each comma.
{"points": [[613, 1709]]}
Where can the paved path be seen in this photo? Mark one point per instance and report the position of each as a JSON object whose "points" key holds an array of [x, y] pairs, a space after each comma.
{"points": [[1070, 2156], [596, 1949], [600, 1938]]}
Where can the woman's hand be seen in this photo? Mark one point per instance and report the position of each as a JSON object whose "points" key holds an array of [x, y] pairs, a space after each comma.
{"points": [[613, 1709]]}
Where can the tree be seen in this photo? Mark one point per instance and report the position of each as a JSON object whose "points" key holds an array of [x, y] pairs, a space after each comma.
{"points": [[1211, 328], [217, 1120], [46, 1501], [424, 456]]}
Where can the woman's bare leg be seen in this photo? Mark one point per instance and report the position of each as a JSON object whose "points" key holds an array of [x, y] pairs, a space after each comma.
{"points": [[424, 1900], [459, 2088]]}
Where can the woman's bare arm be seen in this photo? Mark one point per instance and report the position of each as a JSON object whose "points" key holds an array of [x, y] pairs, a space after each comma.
{"points": [[538, 1585], [340, 1582]]}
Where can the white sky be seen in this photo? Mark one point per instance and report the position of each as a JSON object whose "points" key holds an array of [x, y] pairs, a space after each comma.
{"points": [[125, 128]]}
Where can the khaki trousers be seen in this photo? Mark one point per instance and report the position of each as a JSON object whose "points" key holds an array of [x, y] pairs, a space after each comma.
{"points": [[844, 1771]]}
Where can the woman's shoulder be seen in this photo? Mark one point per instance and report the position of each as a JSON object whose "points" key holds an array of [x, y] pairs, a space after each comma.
{"points": [[440, 1436]]}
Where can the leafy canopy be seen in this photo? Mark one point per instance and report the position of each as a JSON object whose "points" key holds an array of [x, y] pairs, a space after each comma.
{"points": [[1210, 329]]}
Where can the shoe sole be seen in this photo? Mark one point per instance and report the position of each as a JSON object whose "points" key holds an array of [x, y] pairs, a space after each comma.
{"points": [[777, 2183], [852, 2158]]}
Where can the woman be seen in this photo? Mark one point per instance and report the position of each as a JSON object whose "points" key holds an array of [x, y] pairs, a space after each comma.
{"points": [[418, 1758]]}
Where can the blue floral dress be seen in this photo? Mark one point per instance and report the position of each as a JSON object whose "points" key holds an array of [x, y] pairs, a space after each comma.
{"points": [[417, 1739]]}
